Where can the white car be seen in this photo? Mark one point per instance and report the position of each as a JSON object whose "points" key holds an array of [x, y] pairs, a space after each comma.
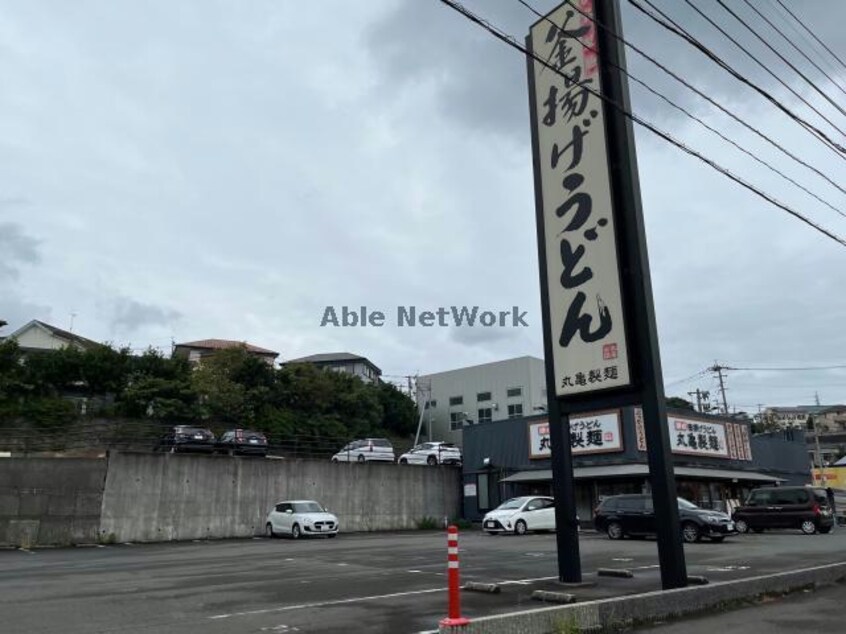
{"points": [[367, 450], [432, 453], [298, 518], [520, 515]]}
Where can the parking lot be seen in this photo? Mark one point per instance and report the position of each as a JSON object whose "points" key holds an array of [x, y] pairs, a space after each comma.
{"points": [[388, 582]]}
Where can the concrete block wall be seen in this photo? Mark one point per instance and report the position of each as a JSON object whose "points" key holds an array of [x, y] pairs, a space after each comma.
{"points": [[47, 501], [159, 497]]}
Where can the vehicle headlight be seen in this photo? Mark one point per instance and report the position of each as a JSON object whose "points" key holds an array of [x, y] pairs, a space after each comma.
{"points": [[714, 520]]}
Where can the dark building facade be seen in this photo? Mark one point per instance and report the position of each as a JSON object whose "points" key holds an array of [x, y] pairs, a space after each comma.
{"points": [[717, 460]]}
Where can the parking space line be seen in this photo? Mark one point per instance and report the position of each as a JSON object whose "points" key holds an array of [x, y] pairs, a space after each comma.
{"points": [[323, 604]]}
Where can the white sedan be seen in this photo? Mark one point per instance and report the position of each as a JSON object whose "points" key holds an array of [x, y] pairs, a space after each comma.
{"points": [[520, 515], [297, 518], [432, 453]]}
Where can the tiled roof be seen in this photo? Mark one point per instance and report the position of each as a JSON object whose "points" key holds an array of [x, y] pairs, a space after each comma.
{"points": [[222, 344]]}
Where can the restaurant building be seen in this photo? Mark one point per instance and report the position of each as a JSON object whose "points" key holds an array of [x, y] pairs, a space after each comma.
{"points": [[717, 460]]}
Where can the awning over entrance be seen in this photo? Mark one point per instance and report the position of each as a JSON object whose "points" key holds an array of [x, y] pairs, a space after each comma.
{"points": [[634, 470]]}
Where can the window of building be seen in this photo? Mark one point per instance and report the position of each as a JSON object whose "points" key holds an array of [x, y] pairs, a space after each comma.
{"points": [[514, 392], [431, 404], [456, 420], [485, 415], [483, 396], [456, 400], [515, 410]]}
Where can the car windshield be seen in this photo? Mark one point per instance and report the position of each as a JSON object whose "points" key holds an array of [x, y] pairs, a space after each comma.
{"points": [[514, 503], [684, 504], [308, 507]]}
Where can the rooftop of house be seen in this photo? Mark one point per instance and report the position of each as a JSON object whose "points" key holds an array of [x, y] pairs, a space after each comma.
{"points": [[333, 357], [56, 332], [223, 344]]}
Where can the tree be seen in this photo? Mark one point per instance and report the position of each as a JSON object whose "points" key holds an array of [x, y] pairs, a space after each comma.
{"points": [[679, 403], [399, 412]]}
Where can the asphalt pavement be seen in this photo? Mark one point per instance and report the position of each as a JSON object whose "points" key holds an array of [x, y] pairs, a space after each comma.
{"points": [[386, 582]]}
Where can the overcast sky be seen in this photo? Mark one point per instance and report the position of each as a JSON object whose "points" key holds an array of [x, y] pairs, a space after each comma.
{"points": [[197, 169]]}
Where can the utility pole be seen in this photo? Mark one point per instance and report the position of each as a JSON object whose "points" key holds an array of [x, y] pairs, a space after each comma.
{"points": [[819, 453], [718, 370], [817, 398], [700, 396]]}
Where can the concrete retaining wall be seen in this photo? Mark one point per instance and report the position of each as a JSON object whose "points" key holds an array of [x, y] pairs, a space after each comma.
{"points": [[612, 615], [158, 497], [47, 501]]}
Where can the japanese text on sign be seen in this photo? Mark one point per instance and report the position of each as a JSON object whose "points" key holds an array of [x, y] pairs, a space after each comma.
{"points": [[598, 433], [585, 301]]}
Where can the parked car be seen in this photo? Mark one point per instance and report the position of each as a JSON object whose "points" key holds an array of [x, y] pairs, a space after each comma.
{"points": [[521, 515], [298, 518], [432, 453], [805, 508], [243, 441], [187, 438], [366, 450], [632, 515]]}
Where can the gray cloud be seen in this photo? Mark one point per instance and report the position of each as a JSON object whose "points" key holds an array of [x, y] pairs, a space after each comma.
{"points": [[235, 179], [130, 315], [17, 248]]}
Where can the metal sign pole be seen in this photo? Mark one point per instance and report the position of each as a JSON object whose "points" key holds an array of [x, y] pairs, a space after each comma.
{"points": [[638, 289], [600, 338]]}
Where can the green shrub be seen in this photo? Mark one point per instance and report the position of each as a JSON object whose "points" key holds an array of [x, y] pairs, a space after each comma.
{"points": [[427, 524]]}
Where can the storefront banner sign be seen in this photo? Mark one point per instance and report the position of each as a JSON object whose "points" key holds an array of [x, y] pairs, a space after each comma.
{"points": [[470, 490], [640, 430], [596, 433], [697, 437], [589, 350]]}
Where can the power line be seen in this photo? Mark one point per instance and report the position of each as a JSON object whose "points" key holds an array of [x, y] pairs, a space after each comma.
{"points": [[683, 110], [510, 41], [816, 48], [687, 379], [767, 69], [673, 27], [723, 109], [813, 35], [793, 369], [798, 50], [781, 57]]}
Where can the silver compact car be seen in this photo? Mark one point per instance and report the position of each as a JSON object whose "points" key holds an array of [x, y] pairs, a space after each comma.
{"points": [[299, 518]]}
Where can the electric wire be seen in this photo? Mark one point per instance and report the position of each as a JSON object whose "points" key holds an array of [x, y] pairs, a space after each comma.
{"points": [[793, 44], [686, 112], [673, 27], [509, 39], [813, 35], [763, 66], [780, 56], [813, 46]]}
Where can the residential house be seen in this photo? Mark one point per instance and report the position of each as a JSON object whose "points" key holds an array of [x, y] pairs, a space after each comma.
{"points": [[196, 351], [38, 336], [346, 363]]}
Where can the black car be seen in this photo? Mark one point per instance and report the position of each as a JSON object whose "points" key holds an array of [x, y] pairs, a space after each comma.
{"points": [[244, 442], [632, 515], [805, 508], [187, 438]]}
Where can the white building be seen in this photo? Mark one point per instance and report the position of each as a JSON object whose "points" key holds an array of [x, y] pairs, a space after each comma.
{"points": [[481, 393], [38, 336], [345, 363]]}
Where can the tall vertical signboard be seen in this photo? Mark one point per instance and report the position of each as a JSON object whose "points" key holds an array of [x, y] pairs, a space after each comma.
{"points": [[600, 339]]}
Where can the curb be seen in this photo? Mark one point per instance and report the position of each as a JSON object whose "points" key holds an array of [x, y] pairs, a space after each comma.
{"points": [[611, 615]]}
